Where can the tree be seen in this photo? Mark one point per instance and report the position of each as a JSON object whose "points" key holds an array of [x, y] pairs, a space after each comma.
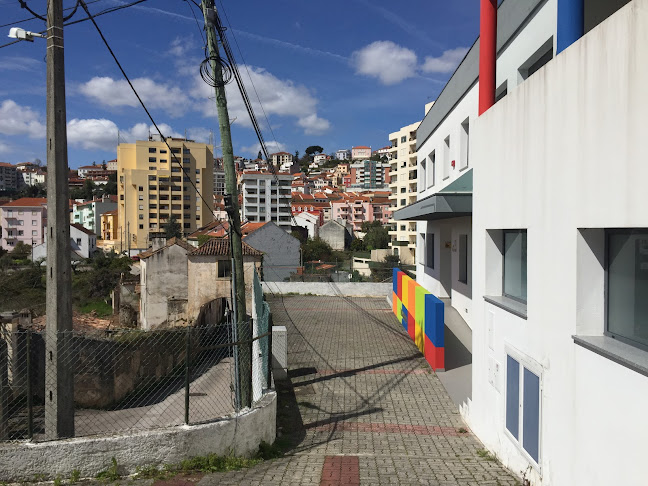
{"points": [[383, 270], [316, 249], [111, 185], [296, 155], [88, 189], [259, 155], [358, 245], [376, 237], [172, 228], [21, 251], [314, 149]]}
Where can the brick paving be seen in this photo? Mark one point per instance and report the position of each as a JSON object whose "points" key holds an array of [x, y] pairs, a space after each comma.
{"points": [[372, 412]]}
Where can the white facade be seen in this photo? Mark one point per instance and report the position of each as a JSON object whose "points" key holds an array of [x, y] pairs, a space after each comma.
{"points": [[83, 244], [560, 159], [281, 158], [310, 222], [263, 201], [89, 214], [343, 154]]}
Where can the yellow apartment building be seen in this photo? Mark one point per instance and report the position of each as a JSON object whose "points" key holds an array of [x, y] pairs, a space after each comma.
{"points": [[152, 188]]}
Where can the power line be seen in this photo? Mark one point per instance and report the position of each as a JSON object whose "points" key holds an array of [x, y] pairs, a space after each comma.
{"points": [[103, 12], [173, 156], [36, 18]]}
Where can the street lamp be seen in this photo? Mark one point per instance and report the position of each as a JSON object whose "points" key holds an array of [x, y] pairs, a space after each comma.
{"points": [[22, 34]]}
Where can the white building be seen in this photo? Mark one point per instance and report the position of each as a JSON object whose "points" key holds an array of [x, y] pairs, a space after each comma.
{"points": [[219, 177], [343, 154], [320, 159], [88, 214], [263, 200], [83, 243], [548, 265], [309, 221], [281, 158], [30, 177], [360, 152]]}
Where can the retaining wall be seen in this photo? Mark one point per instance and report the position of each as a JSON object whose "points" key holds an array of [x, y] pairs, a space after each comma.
{"points": [[348, 289], [237, 434]]}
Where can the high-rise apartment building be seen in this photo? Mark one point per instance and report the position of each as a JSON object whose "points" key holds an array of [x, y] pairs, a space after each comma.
{"points": [[219, 177], [264, 201], [153, 188], [8, 181]]}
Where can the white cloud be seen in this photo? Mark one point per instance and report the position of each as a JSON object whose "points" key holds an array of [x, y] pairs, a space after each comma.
{"points": [[272, 147], [278, 97], [199, 134], [388, 62], [21, 63], [110, 92], [20, 120], [101, 134], [313, 124], [446, 62]]}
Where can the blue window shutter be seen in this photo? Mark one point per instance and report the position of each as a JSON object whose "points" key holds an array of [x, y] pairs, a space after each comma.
{"points": [[512, 396], [531, 414]]}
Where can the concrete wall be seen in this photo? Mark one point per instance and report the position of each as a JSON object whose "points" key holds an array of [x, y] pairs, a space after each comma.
{"points": [[564, 151], [349, 289], [205, 285], [334, 234], [239, 435], [280, 251], [163, 277]]}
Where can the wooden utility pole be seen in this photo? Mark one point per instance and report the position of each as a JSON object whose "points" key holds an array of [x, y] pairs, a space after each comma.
{"points": [[244, 329], [59, 378]]}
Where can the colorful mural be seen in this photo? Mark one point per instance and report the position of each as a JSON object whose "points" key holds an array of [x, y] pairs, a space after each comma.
{"points": [[422, 316]]}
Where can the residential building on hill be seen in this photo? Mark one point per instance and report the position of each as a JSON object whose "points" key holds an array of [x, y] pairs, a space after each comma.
{"points": [[219, 177], [281, 158], [153, 188], [356, 209], [538, 242], [30, 177], [403, 184], [263, 200], [343, 154], [369, 175], [23, 220], [88, 214], [110, 225], [83, 244], [8, 180], [360, 152]]}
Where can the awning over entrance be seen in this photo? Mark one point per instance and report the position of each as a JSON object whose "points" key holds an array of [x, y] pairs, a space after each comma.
{"points": [[454, 201]]}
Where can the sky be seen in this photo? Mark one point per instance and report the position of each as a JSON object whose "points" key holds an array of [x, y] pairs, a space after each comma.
{"points": [[334, 73]]}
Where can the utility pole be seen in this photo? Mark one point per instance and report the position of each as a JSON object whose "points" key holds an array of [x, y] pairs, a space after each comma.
{"points": [[244, 328], [59, 378]]}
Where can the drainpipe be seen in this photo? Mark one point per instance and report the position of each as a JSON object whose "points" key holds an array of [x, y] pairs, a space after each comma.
{"points": [[487, 54], [571, 26]]}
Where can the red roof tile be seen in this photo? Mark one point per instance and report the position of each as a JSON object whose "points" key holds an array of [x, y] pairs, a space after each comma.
{"points": [[221, 247], [26, 202]]}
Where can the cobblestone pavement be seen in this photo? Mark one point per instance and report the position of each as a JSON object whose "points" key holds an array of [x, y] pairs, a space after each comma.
{"points": [[366, 407]]}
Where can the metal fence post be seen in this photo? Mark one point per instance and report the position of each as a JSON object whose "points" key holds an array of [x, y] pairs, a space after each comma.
{"points": [[30, 394], [187, 374], [269, 357]]}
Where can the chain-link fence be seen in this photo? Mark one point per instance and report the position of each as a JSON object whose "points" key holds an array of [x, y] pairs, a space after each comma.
{"points": [[113, 382]]}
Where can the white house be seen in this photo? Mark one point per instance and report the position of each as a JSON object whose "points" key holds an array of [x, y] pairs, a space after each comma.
{"points": [[548, 265], [83, 243], [88, 214], [309, 221]]}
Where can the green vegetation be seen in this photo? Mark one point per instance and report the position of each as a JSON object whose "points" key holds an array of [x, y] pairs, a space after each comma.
{"points": [[75, 475], [316, 249], [172, 228], [376, 237], [383, 270], [110, 474], [484, 454], [99, 278], [99, 307]]}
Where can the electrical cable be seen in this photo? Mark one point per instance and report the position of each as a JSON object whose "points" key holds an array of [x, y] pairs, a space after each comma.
{"points": [[173, 156], [35, 18], [103, 12], [23, 4], [197, 23], [248, 105]]}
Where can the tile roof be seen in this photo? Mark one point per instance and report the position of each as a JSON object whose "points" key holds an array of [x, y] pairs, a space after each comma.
{"points": [[83, 229], [114, 211], [221, 246], [170, 242], [26, 202]]}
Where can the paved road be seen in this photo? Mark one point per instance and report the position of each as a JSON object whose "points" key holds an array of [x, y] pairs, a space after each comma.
{"points": [[364, 407]]}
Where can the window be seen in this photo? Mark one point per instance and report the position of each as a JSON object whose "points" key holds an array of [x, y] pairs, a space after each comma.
{"points": [[34, 233], [175, 169], [141, 207], [403, 190], [78, 241], [197, 171], [464, 141], [175, 150], [501, 92], [141, 226], [21, 223], [151, 168], [141, 197], [34, 222], [186, 150], [224, 268], [539, 58], [514, 271], [21, 233], [152, 178], [428, 245], [140, 216], [152, 159], [403, 202], [446, 158], [140, 188], [402, 228], [403, 139], [463, 258], [186, 160], [152, 150], [627, 286], [163, 151], [523, 406]]}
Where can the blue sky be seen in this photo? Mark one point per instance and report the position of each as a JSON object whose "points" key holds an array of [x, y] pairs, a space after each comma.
{"points": [[333, 73]]}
